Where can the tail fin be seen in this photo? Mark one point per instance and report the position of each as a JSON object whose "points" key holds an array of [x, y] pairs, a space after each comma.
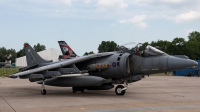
{"points": [[32, 57], [66, 51]]}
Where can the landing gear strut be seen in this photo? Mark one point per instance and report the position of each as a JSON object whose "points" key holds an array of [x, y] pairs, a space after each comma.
{"points": [[43, 91], [121, 90]]}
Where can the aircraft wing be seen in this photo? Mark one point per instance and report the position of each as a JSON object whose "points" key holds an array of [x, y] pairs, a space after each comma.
{"points": [[61, 64]]}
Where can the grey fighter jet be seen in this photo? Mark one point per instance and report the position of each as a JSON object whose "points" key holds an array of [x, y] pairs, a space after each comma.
{"points": [[104, 70]]}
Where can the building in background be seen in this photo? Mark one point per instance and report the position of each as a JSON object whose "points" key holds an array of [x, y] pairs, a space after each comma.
{"points": [[49, 54]]}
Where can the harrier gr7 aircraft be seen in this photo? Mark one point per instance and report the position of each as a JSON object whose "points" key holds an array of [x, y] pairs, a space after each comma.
{"points": [[104, 69]]}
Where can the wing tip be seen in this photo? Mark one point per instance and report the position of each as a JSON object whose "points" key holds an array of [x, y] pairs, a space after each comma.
{"points": [[12, 76]]}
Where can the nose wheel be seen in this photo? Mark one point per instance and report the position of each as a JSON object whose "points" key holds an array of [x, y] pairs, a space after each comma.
{"points": [[120, 90], [43, 91]]}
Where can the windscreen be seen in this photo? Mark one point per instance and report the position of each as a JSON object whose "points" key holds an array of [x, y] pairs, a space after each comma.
{"points": [[131, 47], [152, 51]]}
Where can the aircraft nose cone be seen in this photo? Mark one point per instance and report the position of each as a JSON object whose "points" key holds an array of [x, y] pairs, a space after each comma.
{"points": [[175, 63]]}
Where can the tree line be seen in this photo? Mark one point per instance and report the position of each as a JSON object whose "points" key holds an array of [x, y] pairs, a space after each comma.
{"points": [[178, 46], [20, 53]]}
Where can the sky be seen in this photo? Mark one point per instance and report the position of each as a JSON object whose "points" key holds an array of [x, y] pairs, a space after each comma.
{"points": [[84, 24]]}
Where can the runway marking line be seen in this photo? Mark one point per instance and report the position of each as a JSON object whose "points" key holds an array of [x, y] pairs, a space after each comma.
{"points": [[148, 108], [7, 103]]}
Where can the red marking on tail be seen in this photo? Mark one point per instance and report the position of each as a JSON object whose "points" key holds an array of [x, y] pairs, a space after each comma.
{"points": [[66, 49]]}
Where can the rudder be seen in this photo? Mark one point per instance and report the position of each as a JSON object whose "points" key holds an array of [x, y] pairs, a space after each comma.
{"points": [[32, 56], [66, 51]]}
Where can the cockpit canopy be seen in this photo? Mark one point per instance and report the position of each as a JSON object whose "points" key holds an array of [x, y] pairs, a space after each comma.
{"points": [[140, 49], [152, 51]]}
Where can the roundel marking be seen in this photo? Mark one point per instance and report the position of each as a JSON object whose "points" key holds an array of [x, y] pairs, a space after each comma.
{"points": [[114, 64]]}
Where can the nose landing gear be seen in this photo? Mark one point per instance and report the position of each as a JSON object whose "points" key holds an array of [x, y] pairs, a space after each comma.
{"points": [[121, 90]]}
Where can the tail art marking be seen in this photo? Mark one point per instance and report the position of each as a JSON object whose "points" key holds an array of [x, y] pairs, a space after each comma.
{"points": [[66, 50]]}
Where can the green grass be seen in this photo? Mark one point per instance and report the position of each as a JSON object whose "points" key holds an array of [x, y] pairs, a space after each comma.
{"points": [[8, 71]]}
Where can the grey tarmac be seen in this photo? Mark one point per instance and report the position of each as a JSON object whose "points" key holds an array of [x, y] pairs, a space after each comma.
{"points": [[151, 94]]}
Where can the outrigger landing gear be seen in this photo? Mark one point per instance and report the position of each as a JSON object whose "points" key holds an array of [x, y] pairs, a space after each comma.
{"points": [[43, 91], [121, 90]]}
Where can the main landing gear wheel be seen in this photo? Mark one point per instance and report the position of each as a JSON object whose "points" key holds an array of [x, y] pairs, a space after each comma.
{"points": [[82, 90], [43, 91], [120, 90], [74, 89]]}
